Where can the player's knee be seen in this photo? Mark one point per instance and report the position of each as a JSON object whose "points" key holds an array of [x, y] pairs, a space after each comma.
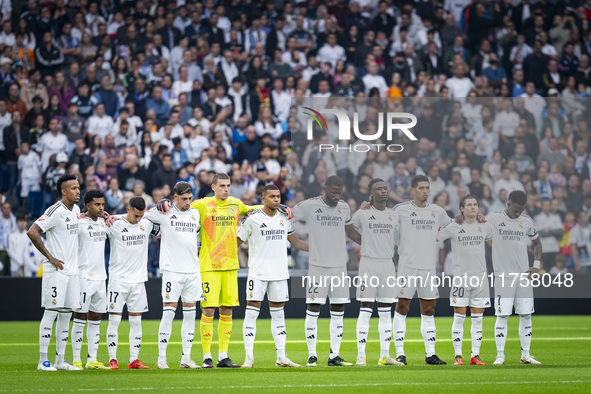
{"points": [[314, 307], [402, 308], [94, 316], [81, 316], [337, 308], [368, 305]]}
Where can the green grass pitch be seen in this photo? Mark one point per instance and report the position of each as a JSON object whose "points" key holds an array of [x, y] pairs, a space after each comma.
{"points": [[561, 343]]}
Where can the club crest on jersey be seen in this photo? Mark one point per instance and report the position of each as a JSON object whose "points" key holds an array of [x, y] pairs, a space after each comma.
{"points": [[281, 223], [141, 227], [193, 218], [479, 229], [102, 224], [339, 209], [77, 216], [433, 213], [390, 217], [520, 224]]}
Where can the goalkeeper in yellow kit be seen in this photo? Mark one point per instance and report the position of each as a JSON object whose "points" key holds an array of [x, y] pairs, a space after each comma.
{"points": [[218, 261]]}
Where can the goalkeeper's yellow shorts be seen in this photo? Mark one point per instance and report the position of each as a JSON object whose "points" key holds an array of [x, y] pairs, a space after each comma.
{"points": [[220, 288]]}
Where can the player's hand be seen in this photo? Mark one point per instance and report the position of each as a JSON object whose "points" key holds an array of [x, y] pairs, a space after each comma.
{"points": [[532, 271], [58, 264], [82, 215], [286, 210], [365, 205], [163, 205], [480, 218], [109, 220], [459, 218]]}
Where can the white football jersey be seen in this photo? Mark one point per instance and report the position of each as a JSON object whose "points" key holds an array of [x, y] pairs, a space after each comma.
{"points": [[377, 232], [128, 262], [180, 236], [416, 234], [60, 226], [91, 248], [467, 246], [326, 225], [510, 238], [267, 245]]}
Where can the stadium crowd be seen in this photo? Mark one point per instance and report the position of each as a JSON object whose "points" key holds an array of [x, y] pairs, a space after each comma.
{"points": [[133, 96]]}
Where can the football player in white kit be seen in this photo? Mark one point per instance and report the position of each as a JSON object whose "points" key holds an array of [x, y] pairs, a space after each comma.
{"points": [[373, 229], [267, 231], [511, 231], [181, 276], [326, 217], [60, 292], [129, 237], [418, 223], [468, 261], [92, 235]]}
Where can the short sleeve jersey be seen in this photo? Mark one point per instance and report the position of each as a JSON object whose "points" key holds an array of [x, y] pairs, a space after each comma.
{"points": [[326, 225], [128, 262], [377, 232], [219, 221], [467, 246], [91, 248], [267, 245], [417, 234], [180, 235], [510, 238], [60, 226]]}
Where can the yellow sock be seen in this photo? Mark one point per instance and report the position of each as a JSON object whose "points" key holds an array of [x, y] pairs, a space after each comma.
{"points": [[224, 332], [206, 329]]}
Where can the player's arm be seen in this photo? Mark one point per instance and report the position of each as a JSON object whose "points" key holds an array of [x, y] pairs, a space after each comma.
{"points": [[244, 232], [34, 235], [153, 215], [352, 233], [296, 242], [535, 238]]}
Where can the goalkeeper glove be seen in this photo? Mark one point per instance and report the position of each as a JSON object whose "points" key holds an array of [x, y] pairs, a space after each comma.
{"points": [[286, 210], [163, 205]]}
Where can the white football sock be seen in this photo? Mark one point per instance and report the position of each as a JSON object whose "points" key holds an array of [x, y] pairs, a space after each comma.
{"points": [[501, 334], [62, 329], [525, 333], [249, 329], [188, 331], [476, 332], [362, 330], [278, 330], [135, 337], [385, 330], [311, 324], [93, 337], [113, 335], [45, 328], [429, 333], [336, 332], [164, 331], [457, 333], [77, 338], [399, 331]]}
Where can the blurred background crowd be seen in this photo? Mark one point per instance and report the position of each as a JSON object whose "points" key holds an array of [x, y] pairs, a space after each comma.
{"points": [[133, 96]]}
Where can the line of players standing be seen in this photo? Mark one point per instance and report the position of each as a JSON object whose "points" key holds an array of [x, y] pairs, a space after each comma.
{"points": [[74, 251]]}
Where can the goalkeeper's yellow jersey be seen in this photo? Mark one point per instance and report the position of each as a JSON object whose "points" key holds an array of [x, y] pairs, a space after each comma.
{"points": [[219, 220]]}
